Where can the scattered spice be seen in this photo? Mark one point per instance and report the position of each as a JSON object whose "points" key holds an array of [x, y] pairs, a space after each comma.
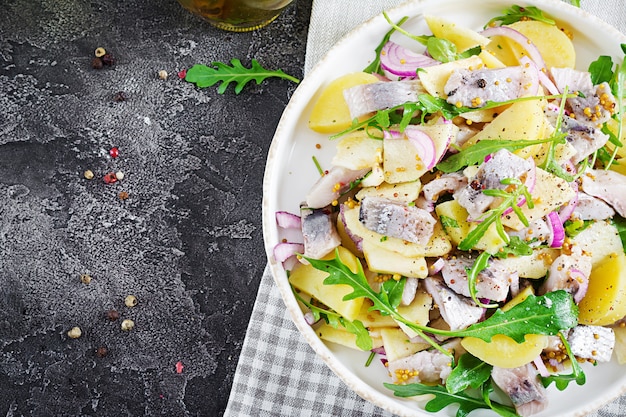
{"points": [[163, 75], [74, 333], [100, 52], [112, 315], [127, 325], [102, 351], [88, 174], [130, 301], [114, 152], [123, 195], [120, 96], [110, 178], [96, 63], [108, 60], [179, 367], [85, 278], [182, 74], [119, 175]]}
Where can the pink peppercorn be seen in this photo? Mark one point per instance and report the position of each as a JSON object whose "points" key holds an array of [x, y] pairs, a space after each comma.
{"points": [[114, 152]]}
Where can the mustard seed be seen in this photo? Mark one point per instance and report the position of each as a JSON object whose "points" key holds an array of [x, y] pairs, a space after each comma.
{"points": [[74, 333], [88, 174], [100, 52], [85, 278], [130, 301], [163, 75], [127, 325], [119, 175]]}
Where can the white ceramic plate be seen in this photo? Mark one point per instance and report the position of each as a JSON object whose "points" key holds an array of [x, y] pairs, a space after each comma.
{"points": [[290, 172]]}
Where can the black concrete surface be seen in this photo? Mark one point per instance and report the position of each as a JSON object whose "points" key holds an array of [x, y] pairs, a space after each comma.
{"points": [[187, 240]]}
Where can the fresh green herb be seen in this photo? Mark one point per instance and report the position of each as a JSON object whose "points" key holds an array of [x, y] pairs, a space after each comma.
{"points": [[356, 327], [601, 70], [370, 358], [476, 153], [503, 410], [383, 238], [547, 314], [574, 227], [440, 49], [516, 247], [442, 399], [317, 165], [620, 94], [516, 13], [481, 262], [374, 67], [470, 372], [448, 222], [620, 223], [219, 72], [562, 381], [392, 292], [510, 200]]}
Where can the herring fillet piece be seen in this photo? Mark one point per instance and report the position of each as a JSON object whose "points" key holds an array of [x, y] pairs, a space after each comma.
{"points": [[473, 88], [592, 342], [458, 311], [397, 219], [368, 98], [493, 282], [318, 231], [331, 185], [523, 387], [609, 186]]}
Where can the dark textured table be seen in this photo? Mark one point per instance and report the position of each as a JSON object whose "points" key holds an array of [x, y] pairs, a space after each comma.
{"points": [[181, 231]]}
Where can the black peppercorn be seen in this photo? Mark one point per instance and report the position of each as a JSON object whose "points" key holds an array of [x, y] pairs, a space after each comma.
{"points": [[102, 351], [108, 60], [112, 315], [119, 96], [96, 63]]}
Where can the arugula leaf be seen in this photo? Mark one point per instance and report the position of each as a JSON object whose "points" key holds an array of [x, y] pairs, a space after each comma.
{"points": [[516, 246], [470, 372], [448, 222], [356, 327], [374, 66], [516, 13], [443, 399], [620, 222], [601, 70], [562, 381], [503, 410], [481, 262], [476, 153], [392, 290], [205, 76], [547, 314], [574, 227]]}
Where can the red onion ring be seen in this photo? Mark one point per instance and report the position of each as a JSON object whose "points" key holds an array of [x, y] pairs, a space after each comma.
{"points": [[557, 233], [285, 250], [581, 282], [522, 40], [288, 220], [403, 62], [424, 144]]}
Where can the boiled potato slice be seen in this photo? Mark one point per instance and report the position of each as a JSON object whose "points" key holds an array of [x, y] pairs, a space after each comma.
{"points": [[358, 151], [346, 240], [387, 262], [554, 45], [605, 301], [453, 217], [330, 112], [342, 337], [416, 312], [305, 277], [404, 191], [599, 240], [550, 193], [397, 344], [519, 298], [620, 166], [532, 266], [462, 38], [504, 352], [522, 120], [439, 244], [500, 49], [434, 78]]}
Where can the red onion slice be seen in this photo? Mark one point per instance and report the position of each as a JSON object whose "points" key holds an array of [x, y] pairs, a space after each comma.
{"points": [[521, 39], [581, 281], [557, 233], [424, 144], [402, 62], [436, 267], [288, 220], [286, 250]]}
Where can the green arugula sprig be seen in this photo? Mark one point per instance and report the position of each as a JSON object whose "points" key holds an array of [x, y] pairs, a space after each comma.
{"points": [[516, 13], [561, 381], [547, 314], [219, 72], [510, 200], [481, 262], [356, 327]]}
